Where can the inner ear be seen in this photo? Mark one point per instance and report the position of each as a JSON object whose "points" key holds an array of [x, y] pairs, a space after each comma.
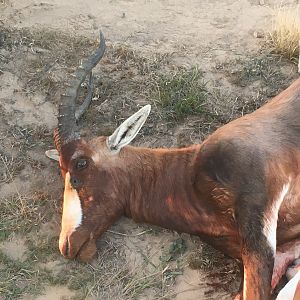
{"points": [[52, 154], [128, 130]]}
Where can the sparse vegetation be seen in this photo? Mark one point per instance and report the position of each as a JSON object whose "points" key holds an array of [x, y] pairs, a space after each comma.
{"points": [[18, 278], [128, 78], [21, 213], [58, 46], [207, 258], [257, 79], [131, 59], [181, 93], [10, 167], [21, 140], [285, 34], [49, 51], [264, 70]]}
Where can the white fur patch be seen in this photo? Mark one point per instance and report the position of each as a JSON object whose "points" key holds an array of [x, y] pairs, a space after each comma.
{"points": [[245, 283], [72, 212], [288, 291], [270, 225]]}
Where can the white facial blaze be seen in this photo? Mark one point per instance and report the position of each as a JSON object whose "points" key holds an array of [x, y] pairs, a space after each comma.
{"points": [[72, 212], [270, 225]]}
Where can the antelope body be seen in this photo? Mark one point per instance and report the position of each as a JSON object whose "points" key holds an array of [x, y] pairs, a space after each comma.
{"points": [[239, 190]]}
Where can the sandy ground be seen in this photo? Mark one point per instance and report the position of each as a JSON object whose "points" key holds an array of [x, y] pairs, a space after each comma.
{"points": [[208, 34], [197, 31]]}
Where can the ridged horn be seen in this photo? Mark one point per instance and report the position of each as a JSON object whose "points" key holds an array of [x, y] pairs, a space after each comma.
{"points": [[67, 129]]}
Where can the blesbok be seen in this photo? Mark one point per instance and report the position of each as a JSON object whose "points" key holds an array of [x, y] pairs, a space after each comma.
{"points": [[238, 190]]}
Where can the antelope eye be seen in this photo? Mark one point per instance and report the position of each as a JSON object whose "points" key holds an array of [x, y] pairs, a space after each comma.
{"points": [[81, 164]]}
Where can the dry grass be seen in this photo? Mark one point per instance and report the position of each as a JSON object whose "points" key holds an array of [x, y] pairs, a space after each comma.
{"points": [[46, 55], [10, 167], [22, 213], [124, 57], [17, 278], [110, 275], [16, 141], [285, 34], [256, 79], [222, 272]]}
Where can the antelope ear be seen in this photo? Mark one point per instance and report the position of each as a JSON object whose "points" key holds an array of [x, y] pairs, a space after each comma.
{"points": [[128, 130], [52, 154]]}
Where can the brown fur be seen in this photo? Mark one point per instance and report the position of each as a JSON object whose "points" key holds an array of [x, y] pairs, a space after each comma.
{"points": [[222, 190]]}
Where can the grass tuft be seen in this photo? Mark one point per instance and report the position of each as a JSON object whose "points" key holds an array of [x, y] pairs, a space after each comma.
{"points": [[18, 278], [285, 34], [181, 93], [20, 213]]}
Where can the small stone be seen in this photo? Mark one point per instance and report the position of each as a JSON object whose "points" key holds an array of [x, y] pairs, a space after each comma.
{"points": [[90, 16], [40, 50], [261, 2], [258, 34], [123, 15]]}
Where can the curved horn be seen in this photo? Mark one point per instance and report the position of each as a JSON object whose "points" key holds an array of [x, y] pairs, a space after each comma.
{"points": [[67, 127], [88, 99]]}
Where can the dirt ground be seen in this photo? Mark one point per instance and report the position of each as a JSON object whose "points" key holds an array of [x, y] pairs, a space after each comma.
{"points": [[148, 43]]}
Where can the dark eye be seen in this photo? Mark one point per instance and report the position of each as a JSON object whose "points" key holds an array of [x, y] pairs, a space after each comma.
{"points": [[75, 183], [81, 164]]}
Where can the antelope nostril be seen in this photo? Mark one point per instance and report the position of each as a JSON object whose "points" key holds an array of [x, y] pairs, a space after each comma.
{"points": [[66, 247]]}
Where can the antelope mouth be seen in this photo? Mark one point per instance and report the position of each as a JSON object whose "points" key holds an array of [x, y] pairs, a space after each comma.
{"points": [[83, 252]]}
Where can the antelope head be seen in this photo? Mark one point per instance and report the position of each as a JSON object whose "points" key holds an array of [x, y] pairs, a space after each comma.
{"points": [[94, 182]]}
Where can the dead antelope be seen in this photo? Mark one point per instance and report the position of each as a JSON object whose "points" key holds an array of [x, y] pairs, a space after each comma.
{"points": [[239, 190]]}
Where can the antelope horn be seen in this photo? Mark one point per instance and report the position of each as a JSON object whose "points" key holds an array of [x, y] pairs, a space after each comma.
{"points": [[67, 129], [87, 101]]}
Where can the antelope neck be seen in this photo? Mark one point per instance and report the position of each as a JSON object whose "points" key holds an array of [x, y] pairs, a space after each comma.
{"points": [[162, 188]]}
